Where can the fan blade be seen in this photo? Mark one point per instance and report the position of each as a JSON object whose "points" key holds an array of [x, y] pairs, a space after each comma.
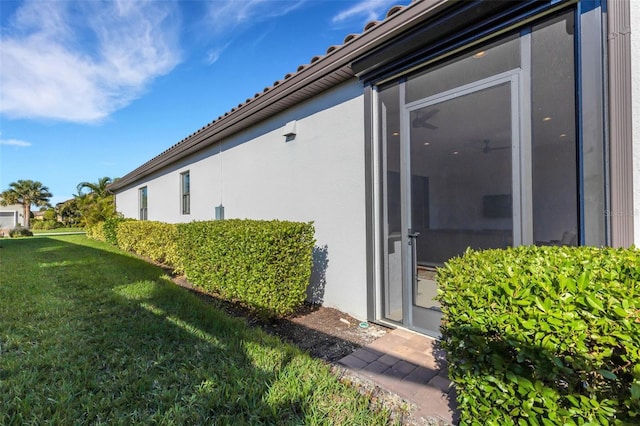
{"points": [[427, 115], [421, 119]]}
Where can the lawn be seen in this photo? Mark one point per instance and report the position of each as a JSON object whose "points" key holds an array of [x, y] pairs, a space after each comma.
{"points": [[56, 231], [91, 335]]}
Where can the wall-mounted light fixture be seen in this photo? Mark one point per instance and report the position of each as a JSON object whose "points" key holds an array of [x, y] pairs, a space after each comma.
{"points": [[289, 131]]}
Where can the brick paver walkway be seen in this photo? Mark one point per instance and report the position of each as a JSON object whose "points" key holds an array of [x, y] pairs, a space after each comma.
{"points": [[411, 366]]}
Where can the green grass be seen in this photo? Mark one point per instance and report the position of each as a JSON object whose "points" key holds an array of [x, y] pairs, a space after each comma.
{"points": [[90, 335], [56, 231]]}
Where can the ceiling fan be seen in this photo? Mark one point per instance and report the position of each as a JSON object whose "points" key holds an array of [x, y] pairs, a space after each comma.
{"points": [[487, 149], [422, 119]]}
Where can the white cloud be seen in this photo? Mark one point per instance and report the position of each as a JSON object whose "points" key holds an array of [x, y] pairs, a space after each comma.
{"points": [[223, 15], [80, 62], [365, 10], [14, 142], [225, 19], [214, 54]]}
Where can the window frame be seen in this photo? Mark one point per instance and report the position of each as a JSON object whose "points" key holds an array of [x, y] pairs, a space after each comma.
{"points": [[143, 202], [185, 195]]}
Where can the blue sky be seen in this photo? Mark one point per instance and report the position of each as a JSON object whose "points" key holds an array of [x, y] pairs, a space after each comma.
{"points": [[96, 88]]}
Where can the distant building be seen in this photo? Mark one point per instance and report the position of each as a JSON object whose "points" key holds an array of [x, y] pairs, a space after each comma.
{"points": [[10, 217], [449, 124]]}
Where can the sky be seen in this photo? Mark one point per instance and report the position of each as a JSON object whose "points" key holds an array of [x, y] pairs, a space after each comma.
{"points": [[96, 88]]}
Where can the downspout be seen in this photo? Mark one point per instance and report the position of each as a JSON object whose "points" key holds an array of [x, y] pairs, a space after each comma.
{"points": [[621, 212]]}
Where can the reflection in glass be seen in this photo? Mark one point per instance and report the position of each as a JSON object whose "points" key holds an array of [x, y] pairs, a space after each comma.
{"points": [[553, 138]]}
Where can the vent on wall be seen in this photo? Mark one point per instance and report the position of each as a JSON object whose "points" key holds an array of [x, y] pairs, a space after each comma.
{"points": [[289, 131], [220, 212]]}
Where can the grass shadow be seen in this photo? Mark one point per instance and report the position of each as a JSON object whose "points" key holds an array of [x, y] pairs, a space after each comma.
{"points": [[92, 335]]}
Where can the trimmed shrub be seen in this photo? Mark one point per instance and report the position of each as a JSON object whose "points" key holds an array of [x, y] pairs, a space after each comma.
{"points": [[96, 232], [19, 231], [45, 224], [544, 335], [106, 231], [155, 240], [110, 227], [264, 264]]}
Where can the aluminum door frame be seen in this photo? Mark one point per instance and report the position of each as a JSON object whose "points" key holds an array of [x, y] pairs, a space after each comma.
{"points": [[520, 175]]}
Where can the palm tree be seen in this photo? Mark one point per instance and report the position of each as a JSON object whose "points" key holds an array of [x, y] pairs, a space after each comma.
{"points": [[27, 193], [99, 188], [97, 204]]}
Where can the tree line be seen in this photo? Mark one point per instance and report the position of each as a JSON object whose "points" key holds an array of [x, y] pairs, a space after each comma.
{"points": [[94, 202]]}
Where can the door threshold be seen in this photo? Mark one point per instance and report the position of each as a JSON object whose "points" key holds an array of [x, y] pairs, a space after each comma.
{"points": [[418, 331]]}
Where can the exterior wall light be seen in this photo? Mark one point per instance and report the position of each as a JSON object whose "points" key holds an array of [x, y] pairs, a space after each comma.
{"points": [[289, 131]]}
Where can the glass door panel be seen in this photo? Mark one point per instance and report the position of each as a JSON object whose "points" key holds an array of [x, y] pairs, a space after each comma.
{"points": [[482, 151], [393, 291], [461, 183]]}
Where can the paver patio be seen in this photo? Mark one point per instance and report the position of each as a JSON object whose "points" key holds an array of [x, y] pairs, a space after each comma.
{"points": [[412, 366]]}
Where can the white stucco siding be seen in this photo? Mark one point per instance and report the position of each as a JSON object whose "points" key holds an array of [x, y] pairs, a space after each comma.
{"points": [[318, 176], [635, 96], [127, 202], [11, 216]]}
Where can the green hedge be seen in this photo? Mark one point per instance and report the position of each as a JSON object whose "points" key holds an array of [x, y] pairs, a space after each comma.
{"points": [[45, 225], [155, 240], [544, 335], [106, 231], [19, 231], [96, 231], [110, 229], [264, 264]]}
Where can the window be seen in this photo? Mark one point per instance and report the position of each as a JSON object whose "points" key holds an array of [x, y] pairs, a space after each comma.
{"points": [[185, 193], [143, 203]]}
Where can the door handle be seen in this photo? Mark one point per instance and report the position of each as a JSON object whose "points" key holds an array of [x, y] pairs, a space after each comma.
{"points": [[412, 236]]}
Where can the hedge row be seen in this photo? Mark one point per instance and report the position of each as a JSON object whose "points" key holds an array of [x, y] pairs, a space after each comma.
{"points": [[263, 264], [156, 240], [544, 335], [266, 264], [106, 231]]}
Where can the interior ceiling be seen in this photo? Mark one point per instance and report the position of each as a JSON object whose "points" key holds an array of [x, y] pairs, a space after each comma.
{"points": [[466, 123], [463, 124]]}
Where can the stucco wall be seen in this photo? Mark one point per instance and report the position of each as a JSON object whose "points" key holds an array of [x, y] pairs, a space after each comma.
{"points": [[12, 215], [318, 176], [635, 84]]}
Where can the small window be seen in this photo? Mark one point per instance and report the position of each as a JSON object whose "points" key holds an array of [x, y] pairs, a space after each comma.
{"points": [[143, 203], [185, 192]]}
